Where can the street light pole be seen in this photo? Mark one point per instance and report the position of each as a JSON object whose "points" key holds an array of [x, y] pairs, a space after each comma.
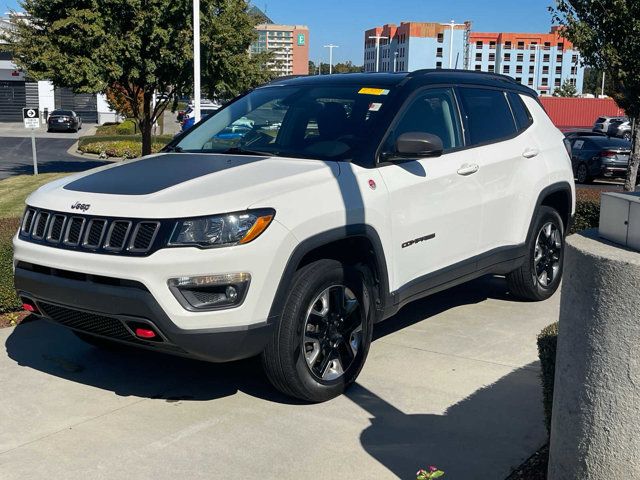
{"points": [[602, 87], [395, 62], [331, 46], [377, 38], [196, 60], [452, 24]]}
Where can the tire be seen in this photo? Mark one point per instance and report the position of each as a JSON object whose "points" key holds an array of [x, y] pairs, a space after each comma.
{"points": [[627, 136], [527, 282], [304, 367], [99, 342], [582, 174]]}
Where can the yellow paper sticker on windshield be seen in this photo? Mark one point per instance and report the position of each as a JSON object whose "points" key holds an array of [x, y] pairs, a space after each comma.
{"points": [[373, 91]]}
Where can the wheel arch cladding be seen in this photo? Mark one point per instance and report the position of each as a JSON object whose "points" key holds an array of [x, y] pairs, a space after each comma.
{"points": [[557, 196], [353, 244]]}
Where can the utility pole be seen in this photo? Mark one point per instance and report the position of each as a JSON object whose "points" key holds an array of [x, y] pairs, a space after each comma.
{"points": [[331, 46], [377, 39], [395, 62], [602, 87], [196, 60], [452, 24]]}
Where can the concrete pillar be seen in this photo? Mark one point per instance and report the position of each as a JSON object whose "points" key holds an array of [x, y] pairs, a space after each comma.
{"points": [[595, 428]]}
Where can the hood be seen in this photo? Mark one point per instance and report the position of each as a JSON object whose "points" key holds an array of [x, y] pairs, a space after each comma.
{"points": [[175, 185]]}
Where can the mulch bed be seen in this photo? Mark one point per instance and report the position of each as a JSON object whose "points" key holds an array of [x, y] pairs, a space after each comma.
{"points": [[12, 319], [535, 468]]}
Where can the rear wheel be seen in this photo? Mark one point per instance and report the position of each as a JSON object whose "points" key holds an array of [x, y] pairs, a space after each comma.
{"points": [[582, 174], [539, 277], [324, 334], [627, 136]]}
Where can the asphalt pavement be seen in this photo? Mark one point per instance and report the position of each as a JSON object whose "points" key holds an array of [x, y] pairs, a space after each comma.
{"points": [[452, 381]]}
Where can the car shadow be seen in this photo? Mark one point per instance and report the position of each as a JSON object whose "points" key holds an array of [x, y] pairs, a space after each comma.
{"points": [[496, 427], [128, 371], [54, 166]]}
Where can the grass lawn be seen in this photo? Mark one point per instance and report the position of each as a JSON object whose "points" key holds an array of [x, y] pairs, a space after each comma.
{"points": [[14, 190]]}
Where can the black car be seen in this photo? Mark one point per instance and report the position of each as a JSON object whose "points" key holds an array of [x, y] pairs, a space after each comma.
{"points": [[64, 120], [599, 156]]}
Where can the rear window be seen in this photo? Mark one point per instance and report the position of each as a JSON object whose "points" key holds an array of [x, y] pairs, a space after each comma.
{"points": [[520, 113], [600, 120], [62, 112], [608, 142], [488, 114]]}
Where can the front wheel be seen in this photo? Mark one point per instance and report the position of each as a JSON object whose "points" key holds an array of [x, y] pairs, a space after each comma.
{"points": [[324, 334], [539, 277], [582, 174]]}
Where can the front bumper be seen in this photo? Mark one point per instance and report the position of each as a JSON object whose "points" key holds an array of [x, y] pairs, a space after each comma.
{"points": [[111, 311]]}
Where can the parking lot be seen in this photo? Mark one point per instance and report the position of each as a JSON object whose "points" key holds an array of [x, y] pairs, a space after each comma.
{"points": [[451, 381]]}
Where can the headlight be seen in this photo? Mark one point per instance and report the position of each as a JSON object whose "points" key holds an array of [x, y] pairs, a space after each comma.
{"points": [[221, 230]]}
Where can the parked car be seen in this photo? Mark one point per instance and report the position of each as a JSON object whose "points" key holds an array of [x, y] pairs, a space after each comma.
{"points": [[620, 129], [375, 191], [602, 123], [66, 120], [599, 156], [189, 118]]}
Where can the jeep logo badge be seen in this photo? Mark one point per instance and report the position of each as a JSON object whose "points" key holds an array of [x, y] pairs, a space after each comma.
{"points": [[80, 206]]}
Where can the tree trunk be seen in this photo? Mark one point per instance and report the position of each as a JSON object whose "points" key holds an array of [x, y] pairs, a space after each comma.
{"points": [[146, 125], [632, 171]]}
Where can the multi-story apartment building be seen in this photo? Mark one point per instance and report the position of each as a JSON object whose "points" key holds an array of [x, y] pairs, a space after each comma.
{"points": [[289, 44], [542, 61], [415, 45]]}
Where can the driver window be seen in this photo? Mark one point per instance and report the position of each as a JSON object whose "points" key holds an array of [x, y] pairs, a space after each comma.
{"points": [[433, 111]]}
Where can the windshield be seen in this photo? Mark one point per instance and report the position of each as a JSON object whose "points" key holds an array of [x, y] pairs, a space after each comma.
{"points": [[320, 122]]}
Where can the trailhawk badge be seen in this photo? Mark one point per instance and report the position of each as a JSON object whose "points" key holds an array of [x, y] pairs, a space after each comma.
{"points": [[80, 206]]}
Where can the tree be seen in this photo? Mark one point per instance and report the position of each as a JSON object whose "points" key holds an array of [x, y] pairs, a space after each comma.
{"points": [[342, 67], [139, 47], [567, 89], [606, 36], [593, 83]]}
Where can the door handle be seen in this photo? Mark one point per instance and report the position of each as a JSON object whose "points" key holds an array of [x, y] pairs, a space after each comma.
{"points": [[468, 169], [530, 153]]}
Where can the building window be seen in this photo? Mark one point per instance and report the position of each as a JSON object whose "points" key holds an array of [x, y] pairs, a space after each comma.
{"points": [[440, 37], [545, 58], [547, 45], [519, 79], [530, 82], [492, 57], [574, 58], [492, 45], [572, 81], [507, 45], [518, 68], [559, 58], [507, 57], [532, 69], [439, 52], [533, 45], [505, 69], [557, 82], [532, 57], [492, 68], [520, 45], [479, 56], [559, 70], [574, 70], [560, 46], [479, 44], [438, 64], [545, 70], [545, 81], [478, 67], [520, 57]]}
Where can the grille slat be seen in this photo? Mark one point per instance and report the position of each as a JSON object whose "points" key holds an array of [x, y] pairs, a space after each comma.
{"points": [[100, 235], [87, 322]]}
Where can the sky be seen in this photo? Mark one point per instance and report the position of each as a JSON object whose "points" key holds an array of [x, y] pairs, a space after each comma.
{"points": [[343, 22]]}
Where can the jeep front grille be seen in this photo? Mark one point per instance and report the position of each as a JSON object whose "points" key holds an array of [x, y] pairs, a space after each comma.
{"points": [[95, 234]]}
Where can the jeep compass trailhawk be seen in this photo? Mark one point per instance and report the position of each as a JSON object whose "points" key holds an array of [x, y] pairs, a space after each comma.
{"points": [[292, 220]]}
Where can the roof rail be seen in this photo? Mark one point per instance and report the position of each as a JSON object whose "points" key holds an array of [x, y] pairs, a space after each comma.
{"points": [[497, 76]]}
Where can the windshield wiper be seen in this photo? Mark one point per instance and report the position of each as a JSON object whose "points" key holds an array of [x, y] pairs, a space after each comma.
{"points": [[174, 148], [245, 151]]}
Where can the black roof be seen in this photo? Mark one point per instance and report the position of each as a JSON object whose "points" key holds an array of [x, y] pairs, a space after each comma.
{"points": [[418, 77]]}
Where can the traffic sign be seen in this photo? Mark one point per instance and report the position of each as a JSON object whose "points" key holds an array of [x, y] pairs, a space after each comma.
{"points": [[31, 118]]}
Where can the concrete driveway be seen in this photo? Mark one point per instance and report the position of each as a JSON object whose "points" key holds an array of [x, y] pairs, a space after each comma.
{"points": [[451, 381]]}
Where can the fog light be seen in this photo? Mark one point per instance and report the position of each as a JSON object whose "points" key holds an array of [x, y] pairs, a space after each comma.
{"points": [[210, 292]]}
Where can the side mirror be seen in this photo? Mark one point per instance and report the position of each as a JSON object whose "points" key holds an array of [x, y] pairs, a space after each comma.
{"points": [[418, 145]]}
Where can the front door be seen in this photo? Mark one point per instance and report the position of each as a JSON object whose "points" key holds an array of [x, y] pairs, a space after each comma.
{"points": [[434, 202]]}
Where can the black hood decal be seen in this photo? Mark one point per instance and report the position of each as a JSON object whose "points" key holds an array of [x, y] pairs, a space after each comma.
{"points": [[153, 174]]}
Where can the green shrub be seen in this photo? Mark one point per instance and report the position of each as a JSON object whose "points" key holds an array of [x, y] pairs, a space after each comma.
{"points": [[128, 127], [8, 300], [107, 129], [547, 343], [587, 210], [121, 148]]}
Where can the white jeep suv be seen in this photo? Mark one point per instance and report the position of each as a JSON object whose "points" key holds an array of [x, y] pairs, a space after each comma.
{"points": [[292, 220]]}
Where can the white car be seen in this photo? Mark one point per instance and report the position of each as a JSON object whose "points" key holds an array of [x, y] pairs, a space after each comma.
{"points": [[375, 190]]}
